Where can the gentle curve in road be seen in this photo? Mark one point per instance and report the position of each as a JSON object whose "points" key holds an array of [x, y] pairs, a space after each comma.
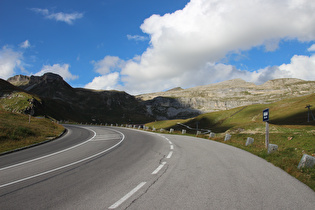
{"points": [[144, 171]]}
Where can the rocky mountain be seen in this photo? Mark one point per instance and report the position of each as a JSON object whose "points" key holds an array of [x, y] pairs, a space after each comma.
{"points": [[54, 97], [63, 102], [177, 103]]}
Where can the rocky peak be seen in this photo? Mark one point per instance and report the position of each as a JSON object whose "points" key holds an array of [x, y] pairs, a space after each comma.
{"points": [[175, 89], [46, 78], [19, 80]]}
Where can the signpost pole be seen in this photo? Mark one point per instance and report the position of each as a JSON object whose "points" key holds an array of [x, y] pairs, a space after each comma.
{"points": [[267, 135], [266, 119]]}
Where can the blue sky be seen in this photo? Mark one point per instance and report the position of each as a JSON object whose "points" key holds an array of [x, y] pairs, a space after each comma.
{"points": [[141, 46]]}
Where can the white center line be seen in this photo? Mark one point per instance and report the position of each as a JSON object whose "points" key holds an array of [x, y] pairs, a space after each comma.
{"points": [[158, 168], [172, 147], [128, 195]]}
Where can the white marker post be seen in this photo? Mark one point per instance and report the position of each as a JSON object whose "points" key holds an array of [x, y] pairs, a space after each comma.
{"points": [[266, 119]]}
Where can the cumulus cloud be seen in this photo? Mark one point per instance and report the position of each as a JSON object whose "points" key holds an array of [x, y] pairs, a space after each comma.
{"points": [[62, 70], [68, 18], [302, 67], [108, 64], [26, 44], [105, 82], [10, 61], [187, 46]]}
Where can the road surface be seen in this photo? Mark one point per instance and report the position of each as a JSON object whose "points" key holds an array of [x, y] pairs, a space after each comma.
{"points": [[94, 167]]}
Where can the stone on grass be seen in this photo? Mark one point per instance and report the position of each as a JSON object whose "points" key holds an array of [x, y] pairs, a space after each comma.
{"points": [[227, 137], [211, 135], [306, 161], [249, 141], [272, 148]]}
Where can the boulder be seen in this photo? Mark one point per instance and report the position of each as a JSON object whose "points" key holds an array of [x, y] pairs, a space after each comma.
{"points": [[307, 161]]}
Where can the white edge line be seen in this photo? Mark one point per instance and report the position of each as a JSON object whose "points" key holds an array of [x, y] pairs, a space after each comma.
{"points": [[169, 155], [65, 166], [158, 168], [128, 195], [55, 153]]}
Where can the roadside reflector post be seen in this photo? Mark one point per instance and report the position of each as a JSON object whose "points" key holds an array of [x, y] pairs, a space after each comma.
{"points": [[266, 119]]}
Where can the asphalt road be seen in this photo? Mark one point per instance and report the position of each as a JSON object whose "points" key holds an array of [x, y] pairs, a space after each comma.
{"points": [[117, 168]]}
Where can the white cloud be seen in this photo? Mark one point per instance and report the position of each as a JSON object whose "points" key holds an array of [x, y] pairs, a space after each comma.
{"points": [[68, 18], [62, 70], [186, 46], [205, 31], [137, 37], [10, 60], [302, 67], [311, 48], [26, 44], [108, 64], [105, 82]]}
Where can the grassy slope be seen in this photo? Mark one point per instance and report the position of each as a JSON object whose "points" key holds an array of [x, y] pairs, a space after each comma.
{"points": [[289, 129], [17, 132]]}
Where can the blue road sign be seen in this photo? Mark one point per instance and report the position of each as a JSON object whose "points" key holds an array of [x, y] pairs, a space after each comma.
{"points": [[266, 115]]}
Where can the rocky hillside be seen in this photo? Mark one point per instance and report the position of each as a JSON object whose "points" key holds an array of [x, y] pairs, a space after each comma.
{"points": [[63, 102], [177, 103], [54, 97]]}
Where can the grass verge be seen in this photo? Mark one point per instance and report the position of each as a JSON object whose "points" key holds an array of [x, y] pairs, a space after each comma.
{"points": [[16, 131]]}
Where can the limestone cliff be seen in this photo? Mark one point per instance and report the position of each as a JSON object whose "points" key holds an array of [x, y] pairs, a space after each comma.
{"points": [[222, 96]]}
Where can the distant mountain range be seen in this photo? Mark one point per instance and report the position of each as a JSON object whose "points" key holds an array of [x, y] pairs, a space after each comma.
{"points": [[52, 96]]}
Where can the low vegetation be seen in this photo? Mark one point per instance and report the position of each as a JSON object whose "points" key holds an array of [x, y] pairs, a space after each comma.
{"points": [[16, 131], [289, 129]]}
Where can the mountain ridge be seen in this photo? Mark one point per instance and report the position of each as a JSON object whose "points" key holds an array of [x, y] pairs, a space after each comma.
{"points": [[85, 105]]}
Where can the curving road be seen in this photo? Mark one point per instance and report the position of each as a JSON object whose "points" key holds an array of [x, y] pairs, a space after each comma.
{"points": [[116, 168]]}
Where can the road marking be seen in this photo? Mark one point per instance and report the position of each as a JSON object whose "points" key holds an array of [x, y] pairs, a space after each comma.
{"points": [[65, 166], [169, 155], [55, 153], [106, 137], [128, 195], [172, 146], [158, 168]]}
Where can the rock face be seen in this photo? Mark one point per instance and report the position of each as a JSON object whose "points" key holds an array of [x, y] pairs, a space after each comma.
{"points": [[63, 102], [223, 96]]}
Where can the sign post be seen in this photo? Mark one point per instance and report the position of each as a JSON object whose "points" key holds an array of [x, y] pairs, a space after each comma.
{"points": [[266, 119]]}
